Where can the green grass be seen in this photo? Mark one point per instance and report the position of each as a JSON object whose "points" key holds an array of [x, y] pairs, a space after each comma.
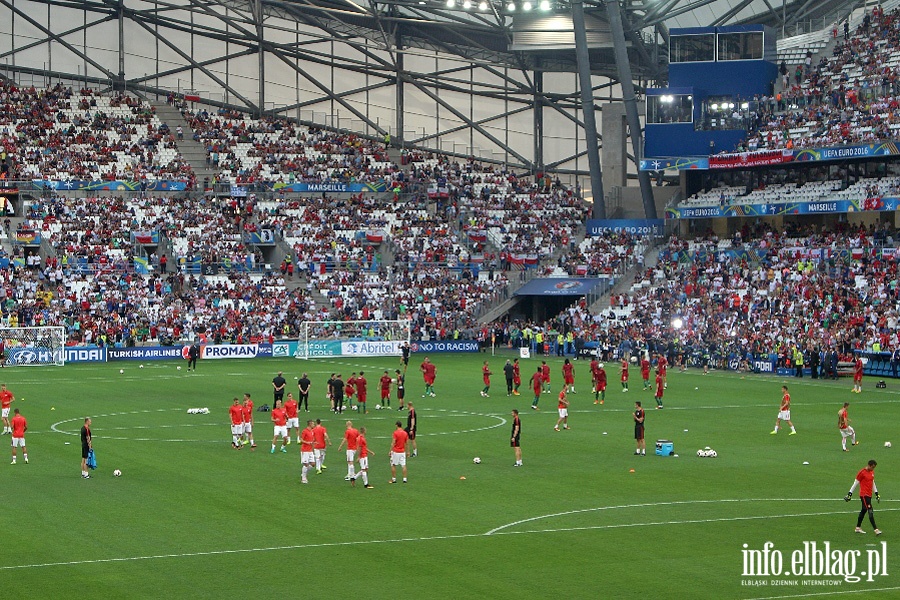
{"points": [[192, 518]]}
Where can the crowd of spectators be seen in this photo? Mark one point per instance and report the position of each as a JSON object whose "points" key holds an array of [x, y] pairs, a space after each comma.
{"points": [[60, 134]]}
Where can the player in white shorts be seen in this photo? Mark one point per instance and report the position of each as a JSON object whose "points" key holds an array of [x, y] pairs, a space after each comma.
{"points": [[563, 408], [363, 451], [846, 430], [784, 413]]}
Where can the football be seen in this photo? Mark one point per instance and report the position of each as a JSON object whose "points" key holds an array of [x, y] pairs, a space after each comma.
{"points": [[633, 359], [121, 371], [887, 444], [700, 453], [179, 367], [377, 407], [476, 460], [117, 473], [141, 367]]}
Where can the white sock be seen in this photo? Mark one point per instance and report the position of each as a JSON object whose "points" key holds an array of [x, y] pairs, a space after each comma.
{"points": [[273, 447], [844, 443], [776, 428], [304, 471], [352, 471], [792, 428], [365, 478], [26, 457], [319, 463]]}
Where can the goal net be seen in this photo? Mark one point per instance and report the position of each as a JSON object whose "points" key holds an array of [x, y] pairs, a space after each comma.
{"points": [[33, 346], [320, 339]]}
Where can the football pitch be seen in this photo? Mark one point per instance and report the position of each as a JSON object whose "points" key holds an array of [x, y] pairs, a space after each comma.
{"points": [[190, 517]]}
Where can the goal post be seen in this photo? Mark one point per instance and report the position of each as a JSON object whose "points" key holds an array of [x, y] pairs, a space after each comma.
{"points": [[321, 339], [33, 346]]}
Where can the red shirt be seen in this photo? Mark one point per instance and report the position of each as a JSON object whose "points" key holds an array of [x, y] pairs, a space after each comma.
{"points": [[248, 411], [350, 386], [568, 372], [786, 402], [595, 368], [307, 437], [428, 371], [545, 372], [843, 418], [624, 370], [319, 435], [237, 414], [659, 385], [362, 446], [662, 363], [866, 479], [351, 436], [563, 403], [537, 380], [601, 376], [279, 417], [290, 408], [385, 382], [645, 369], [486, 374], [6, 397], [361, 384], [517, 376], [858, 367], [18, 426], [400, 439]]}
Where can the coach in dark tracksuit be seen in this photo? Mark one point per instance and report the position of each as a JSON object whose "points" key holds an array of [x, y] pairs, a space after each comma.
{"points": [[509, 372]]}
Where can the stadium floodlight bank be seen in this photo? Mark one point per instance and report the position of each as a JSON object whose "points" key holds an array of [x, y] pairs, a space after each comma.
{"points": [[34, 346], [320, 339]]}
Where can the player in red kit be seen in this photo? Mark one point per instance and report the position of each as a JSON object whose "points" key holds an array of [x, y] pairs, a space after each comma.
{"points": [[293, 421], [545, 374], [398, 452], [19, 427], [563, 408], [857, 375], [784, 413], [429, 372], [662, 364], [321, 440], [537, 382], [385, 382], [865, 479], [569, 376], [660, 386], [517, 377], [280, 429], [6, 397], [624, 374], [307, 450], [248, 421], [645, 372], [351, 437], [362, 392], [362, 450], [846, 430], [236, 412], [600, 384], [486, 377], [350, 389]]}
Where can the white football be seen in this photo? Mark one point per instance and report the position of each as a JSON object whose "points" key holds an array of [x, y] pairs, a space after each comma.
{"points": [[634, 359], [700, 452], [356, 407], [887, 444], [121, 371], [394, 380], [179, 367], [476, 460], [117, 473], [141, 367], [377, 407], [712, 454]]}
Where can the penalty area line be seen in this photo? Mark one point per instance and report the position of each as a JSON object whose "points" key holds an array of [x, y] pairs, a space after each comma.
{"points": [[835, 593]]}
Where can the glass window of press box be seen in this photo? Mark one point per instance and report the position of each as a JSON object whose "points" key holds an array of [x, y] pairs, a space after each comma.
{"points": [[670, 109], [692, 48], [741, 46], [725, 112]]}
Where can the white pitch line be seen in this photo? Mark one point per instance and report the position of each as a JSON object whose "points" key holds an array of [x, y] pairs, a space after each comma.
{"points": [[654, 504], [418, 539], [836, 593]]}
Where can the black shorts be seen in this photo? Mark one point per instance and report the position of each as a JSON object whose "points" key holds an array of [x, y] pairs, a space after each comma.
{"points": [[411, 433], [401, 393], [279, 395], [514, 442], [404, 361], [866, 502], [638, 432], [85, 450]]}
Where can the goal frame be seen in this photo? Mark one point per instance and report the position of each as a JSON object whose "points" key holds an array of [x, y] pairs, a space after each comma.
{"points": [[34, 346], [318, 339]]}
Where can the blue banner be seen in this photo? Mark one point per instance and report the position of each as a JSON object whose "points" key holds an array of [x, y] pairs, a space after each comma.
{"points": [[655, 227], [826, 206], [444, 346], [263, 237], [79, 354], [558, 287], [675, 163], [31, 356], [336, 186], [113, 186]]}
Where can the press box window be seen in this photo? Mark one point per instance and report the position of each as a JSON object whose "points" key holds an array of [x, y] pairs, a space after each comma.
{"points": [[692, 48], [670, 109], [741, 46]]}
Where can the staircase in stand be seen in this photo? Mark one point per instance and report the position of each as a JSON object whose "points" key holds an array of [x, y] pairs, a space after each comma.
{"points": [[193, 151]]}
